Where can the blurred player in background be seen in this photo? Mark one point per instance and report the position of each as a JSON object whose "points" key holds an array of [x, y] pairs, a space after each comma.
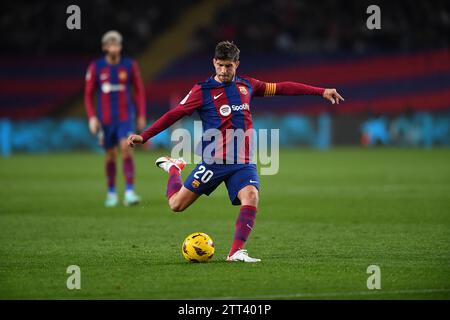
{"points": [[111, 78], [223, 103]]}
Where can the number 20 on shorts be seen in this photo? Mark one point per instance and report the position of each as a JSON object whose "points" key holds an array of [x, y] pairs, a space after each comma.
{"points": [[206, 174]]}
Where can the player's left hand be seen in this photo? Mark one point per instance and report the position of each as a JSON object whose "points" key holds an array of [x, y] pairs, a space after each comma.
{"points": [[141, 123], [332, 95]]}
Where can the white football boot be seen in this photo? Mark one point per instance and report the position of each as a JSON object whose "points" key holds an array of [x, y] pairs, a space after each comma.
{"points": [[242, 255], [131, 198], [166, 163], [111, 200]]}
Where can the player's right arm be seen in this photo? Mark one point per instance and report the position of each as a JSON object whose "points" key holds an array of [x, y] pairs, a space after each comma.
{"points": [[187, 106], [89, 90]]}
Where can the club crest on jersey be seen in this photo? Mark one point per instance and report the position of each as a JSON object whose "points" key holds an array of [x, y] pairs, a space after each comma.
{"points": [[225, 110], [243, 90], [195, 184], [123, 75]]}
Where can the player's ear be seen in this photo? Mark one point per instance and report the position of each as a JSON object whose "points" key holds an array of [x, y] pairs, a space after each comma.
{"points": [[214, 62], [237, 64]]}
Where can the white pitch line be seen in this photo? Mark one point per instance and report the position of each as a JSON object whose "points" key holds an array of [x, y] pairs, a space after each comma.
{"points": [[325, 294]]}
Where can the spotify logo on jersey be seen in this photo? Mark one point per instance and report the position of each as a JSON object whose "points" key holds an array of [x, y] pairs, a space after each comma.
{"points": [[225, 110], [106, 87], [109, 87]]}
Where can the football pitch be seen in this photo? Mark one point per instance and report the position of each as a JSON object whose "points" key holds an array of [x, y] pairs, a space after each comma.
{"points": [[322, 221]]}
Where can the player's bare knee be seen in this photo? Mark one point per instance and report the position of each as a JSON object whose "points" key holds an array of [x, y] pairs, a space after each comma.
{"points": [[126, 152], [110, 155], [177, 208], [175, 205], [126, 156], [251, 197]]}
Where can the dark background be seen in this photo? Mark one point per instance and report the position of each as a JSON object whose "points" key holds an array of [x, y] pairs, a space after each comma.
{"points": [[396, 80]]}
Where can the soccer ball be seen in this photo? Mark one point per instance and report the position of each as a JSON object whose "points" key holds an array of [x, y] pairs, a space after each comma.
{"points": [[198, 247]]}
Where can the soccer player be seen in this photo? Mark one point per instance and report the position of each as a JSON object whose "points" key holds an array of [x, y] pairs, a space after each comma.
{"points": [[112, 77], [223, 102]]}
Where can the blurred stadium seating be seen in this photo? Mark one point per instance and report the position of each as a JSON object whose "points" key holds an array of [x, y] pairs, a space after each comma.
{"points": [[401, 71], [308, 26]]}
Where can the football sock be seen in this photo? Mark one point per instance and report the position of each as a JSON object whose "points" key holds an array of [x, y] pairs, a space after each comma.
{"points": [[244, 225], [174, 184], [128, 172], [111, 176]]}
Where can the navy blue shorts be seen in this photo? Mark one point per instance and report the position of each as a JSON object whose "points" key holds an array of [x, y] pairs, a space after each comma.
{"points": [[115, 132], [205, 178]]}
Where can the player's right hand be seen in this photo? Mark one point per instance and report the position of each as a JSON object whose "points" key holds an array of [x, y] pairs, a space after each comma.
{"points": [[133, 139], [94, 125]]}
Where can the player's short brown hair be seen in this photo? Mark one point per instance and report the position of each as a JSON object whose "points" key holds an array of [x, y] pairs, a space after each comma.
{"points": [[226, 50]]}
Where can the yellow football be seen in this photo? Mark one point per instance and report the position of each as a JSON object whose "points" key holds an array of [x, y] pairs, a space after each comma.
{"points": [[198, 247]]}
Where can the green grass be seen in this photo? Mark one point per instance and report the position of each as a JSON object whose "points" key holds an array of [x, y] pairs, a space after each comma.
{"points": [[322, 221]]}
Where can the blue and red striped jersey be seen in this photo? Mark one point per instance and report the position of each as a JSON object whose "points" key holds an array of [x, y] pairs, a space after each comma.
{"points": [[112, 83], [226, 106]]}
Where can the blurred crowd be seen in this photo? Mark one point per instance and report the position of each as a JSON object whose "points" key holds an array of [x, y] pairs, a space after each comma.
{"points": [[328, 26], [39, 27], [407, 129]]}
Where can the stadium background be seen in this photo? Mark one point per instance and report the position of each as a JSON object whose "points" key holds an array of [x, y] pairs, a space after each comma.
{"points": [[396, 80], [325, 217]]}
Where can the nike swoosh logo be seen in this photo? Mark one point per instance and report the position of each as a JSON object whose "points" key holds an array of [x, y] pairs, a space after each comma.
{"points": [[253, 181], [248, 226], [215, 97]]}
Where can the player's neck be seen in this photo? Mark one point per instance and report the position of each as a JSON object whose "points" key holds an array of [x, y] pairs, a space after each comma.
{"points": [[217, 79], [113, 59]]}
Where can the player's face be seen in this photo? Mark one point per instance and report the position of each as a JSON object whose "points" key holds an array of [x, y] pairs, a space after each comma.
{"points": [[112, 48], [225, 69]]}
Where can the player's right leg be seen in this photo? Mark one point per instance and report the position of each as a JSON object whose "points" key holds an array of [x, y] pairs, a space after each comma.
{"points": [[182, 199], [110, 145], [179, 197], [110, 170]]}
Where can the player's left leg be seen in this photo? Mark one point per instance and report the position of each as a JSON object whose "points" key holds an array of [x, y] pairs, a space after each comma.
{"points": [[124, 129], [244, 224], [243, 189], [131, 198]]}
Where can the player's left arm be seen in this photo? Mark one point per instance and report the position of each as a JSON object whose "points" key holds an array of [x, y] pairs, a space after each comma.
{"points": [[139, 96], [289, 88]]}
